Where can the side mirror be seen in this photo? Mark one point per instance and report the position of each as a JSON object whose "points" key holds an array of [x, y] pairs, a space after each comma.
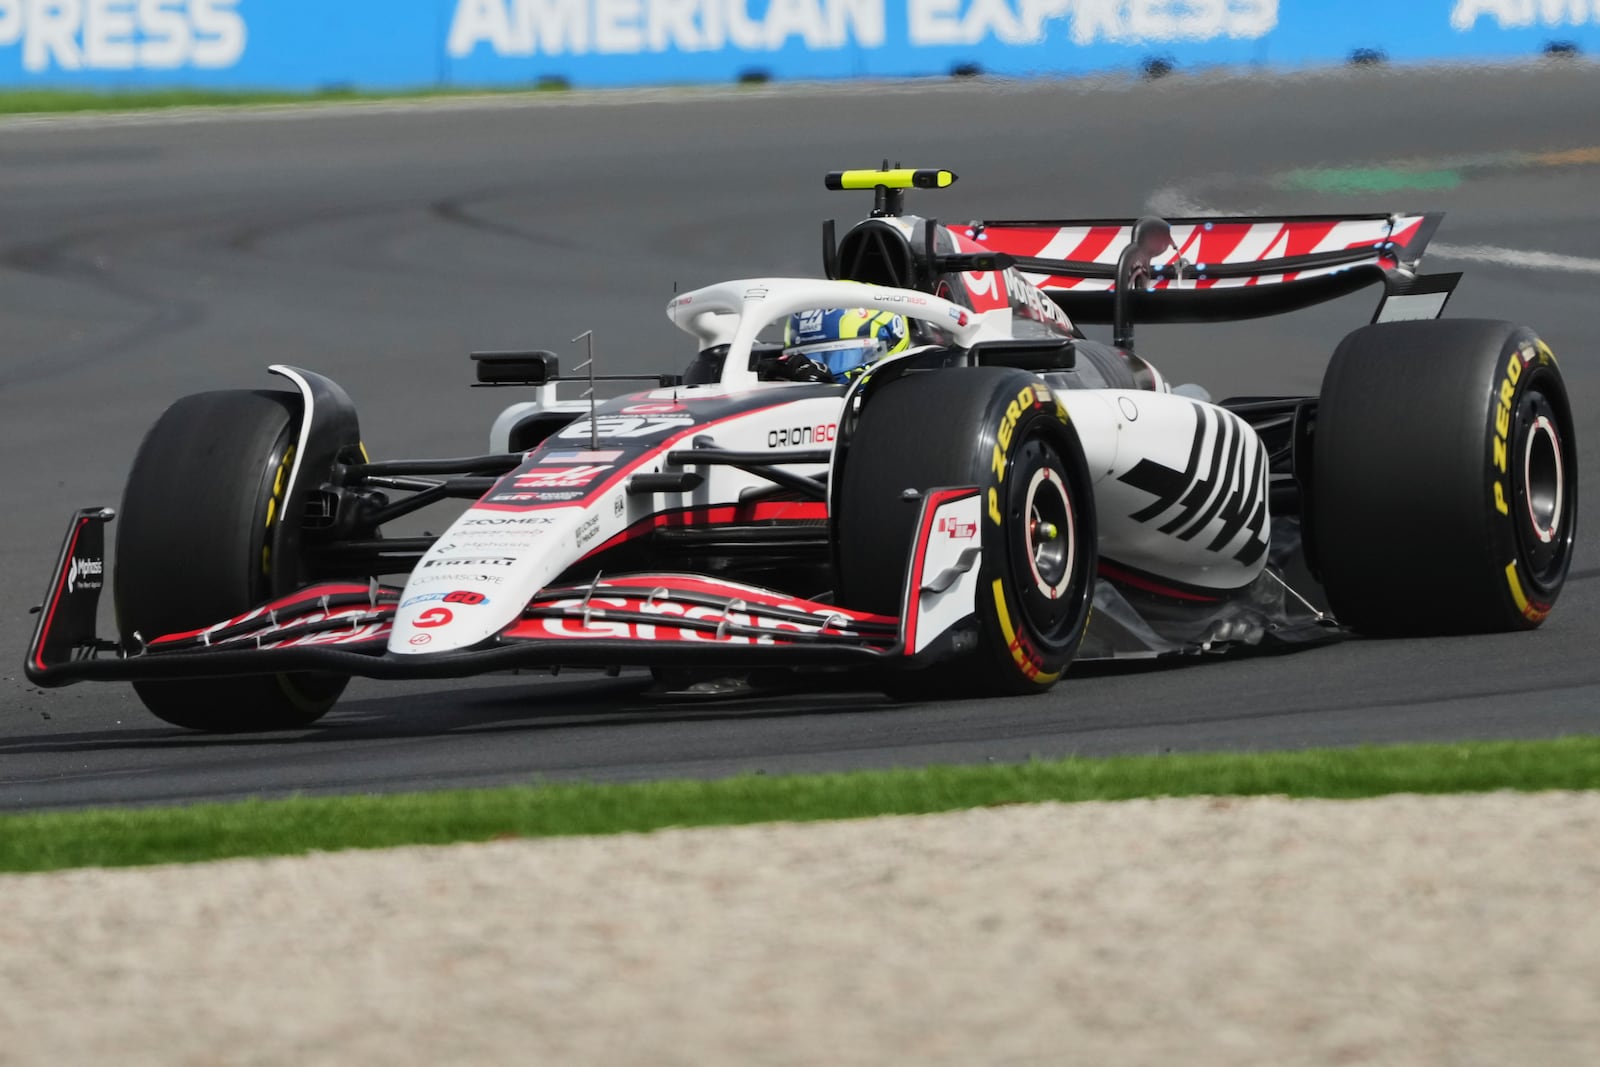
{"points": [[537, 367]]}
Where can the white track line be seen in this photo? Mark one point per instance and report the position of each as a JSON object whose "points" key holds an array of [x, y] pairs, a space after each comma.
{"points": [[1513, 257]]}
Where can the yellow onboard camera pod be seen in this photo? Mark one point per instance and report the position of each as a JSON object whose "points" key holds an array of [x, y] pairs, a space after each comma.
{"points": [[889, 179], [889, 186]]}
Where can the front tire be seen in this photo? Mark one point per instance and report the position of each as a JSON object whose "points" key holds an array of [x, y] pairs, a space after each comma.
{"points": [[193, 548], [1000, 430], [1445, 481]]}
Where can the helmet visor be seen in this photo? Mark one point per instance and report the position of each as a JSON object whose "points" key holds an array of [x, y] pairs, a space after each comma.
{"points": [[841, 357]]}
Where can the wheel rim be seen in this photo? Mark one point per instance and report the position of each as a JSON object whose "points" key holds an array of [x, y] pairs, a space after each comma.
{"points": [[1545, 479], [1046, 558], [1544, 493], [1048, 534]]}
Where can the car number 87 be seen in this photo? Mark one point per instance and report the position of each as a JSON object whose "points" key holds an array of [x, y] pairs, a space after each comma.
{"points": [[615, 426]]}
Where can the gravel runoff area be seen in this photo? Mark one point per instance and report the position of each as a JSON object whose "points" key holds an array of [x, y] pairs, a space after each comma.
{"points": [[1411, 930]]}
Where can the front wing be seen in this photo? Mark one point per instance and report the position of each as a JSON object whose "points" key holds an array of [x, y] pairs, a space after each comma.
{"points": [[677, 620]]}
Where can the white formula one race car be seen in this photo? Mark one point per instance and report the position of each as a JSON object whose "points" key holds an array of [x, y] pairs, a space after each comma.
{"points": [[968, 516]]}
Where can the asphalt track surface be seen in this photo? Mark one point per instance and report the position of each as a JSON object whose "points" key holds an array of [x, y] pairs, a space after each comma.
{"points": [[140, 260]]}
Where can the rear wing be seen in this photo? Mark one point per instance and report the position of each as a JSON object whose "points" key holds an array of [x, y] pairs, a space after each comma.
{"points": [[1213, 268]]}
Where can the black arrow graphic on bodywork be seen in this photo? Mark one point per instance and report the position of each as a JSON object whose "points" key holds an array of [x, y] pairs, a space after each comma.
{"points": [[1202, 499]]}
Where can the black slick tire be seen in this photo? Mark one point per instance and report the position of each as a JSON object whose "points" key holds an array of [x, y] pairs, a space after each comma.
{"points": [[1445, 481], [192, 549], [998, 429]]}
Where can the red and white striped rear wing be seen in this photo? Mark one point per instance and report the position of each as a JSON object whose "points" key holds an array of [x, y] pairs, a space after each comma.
{"points": [[1217, 268]]}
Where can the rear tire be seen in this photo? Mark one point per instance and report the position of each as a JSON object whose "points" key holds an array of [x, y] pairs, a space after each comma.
{"points": [[1038, 540], [1445, 481], [193, 548]]}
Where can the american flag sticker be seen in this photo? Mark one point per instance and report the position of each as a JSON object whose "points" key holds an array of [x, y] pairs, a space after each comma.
{"points": [[581, 457]]}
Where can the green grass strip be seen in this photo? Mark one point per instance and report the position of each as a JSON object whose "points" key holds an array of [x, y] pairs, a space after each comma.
{"points": [[128, 837], [53, 101]]}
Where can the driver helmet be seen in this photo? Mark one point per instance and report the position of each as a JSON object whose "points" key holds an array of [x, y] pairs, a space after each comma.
{"points": [[843, 340]]}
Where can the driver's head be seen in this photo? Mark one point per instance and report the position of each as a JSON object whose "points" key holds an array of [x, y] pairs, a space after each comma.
{"points": [[843, 340]]}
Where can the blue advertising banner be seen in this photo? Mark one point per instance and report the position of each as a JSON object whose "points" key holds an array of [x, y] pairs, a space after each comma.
{"points": [[392, 44]]}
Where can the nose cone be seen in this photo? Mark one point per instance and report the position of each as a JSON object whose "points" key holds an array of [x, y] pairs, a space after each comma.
{"points": [[477, 577]]}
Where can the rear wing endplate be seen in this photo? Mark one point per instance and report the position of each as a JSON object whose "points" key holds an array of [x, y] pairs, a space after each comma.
{"points": [[1421, 296]]}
